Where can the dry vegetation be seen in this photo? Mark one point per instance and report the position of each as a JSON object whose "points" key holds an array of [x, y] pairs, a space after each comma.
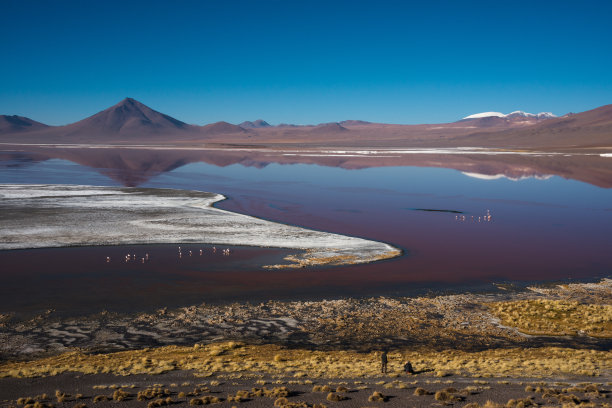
{"points": [[246, 360], [466, 321], [556, 317]]}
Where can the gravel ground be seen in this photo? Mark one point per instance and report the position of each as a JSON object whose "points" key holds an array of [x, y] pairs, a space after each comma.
{"points": [[398, 391]]}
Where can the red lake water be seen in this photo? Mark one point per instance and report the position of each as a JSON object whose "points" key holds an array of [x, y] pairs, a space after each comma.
{"points": [[457, 230]]}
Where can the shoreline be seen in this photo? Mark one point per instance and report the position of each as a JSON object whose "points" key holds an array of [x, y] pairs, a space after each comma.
{"points": [[469, 321], [321, 353]]}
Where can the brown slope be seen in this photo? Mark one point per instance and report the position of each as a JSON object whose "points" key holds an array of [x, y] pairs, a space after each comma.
{"points": [[17, 124], [129, 121], [354, 122], [587, 129], [221, 128], [332, 127], [128, 117]]}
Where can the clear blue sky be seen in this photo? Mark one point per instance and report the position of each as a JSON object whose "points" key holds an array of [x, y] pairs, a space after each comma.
{"points": [[304, 61]]}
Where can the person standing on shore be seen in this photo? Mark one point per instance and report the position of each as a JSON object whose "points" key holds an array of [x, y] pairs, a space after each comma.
{"points": [[383, 362]]}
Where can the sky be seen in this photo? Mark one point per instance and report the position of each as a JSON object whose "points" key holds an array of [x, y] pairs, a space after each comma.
{"points": [[304, 62]]}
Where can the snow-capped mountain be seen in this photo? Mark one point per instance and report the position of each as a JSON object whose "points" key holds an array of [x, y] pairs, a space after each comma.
{"points": [[521, 114], [512, 115]]}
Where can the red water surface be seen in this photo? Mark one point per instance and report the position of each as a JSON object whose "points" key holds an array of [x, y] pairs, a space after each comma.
{"points": [[538, 230], [91, 279], [518, 243]]}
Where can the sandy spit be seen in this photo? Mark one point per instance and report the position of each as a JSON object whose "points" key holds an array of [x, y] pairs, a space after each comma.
{"points": [[38, 216]]}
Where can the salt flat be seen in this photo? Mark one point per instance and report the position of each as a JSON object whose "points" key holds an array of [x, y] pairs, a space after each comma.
{"points": [[37, 216]]}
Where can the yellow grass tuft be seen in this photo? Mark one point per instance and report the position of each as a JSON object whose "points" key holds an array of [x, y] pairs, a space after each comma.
{"points": [[120, 395], [332, 396], [377, 397], [281, 402]]}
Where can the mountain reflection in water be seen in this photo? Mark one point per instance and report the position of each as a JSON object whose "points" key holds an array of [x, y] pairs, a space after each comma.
{"points": [[134, 166]]}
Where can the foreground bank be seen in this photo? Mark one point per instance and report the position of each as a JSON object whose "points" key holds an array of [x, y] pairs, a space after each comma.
{"points": [[522, 347]]}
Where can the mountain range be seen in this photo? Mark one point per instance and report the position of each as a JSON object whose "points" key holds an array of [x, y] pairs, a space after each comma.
{"points": [[131, 122]]}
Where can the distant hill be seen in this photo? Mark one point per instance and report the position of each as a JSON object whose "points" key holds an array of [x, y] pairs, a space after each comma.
{"points": [[220, 128], [355, 123], [128, 117], [14, 123], [512, 115], [332, 127], [512, 119], [259, 123], [591, 128]]}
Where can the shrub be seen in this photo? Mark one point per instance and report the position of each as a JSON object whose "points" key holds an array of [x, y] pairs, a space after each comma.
{"points": [[470, 390], [241, 395], [276, 392], [281, 402], [377, 397], [149, 393], [570, 398], [332, 396], [443, 396], [99, 398], [61, 397], [421, 391], [159, 402], [120, 395], [447, 396]]}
